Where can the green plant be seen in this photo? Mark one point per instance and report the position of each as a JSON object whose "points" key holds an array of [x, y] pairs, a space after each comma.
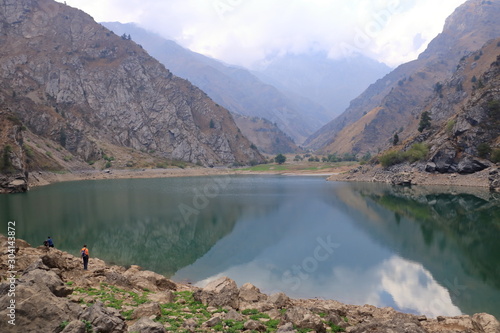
{"points": [[69, 283], [212, 123], [391, 158], [63, 325], [108, 165], [280, 159], [483, 150], [495, 156], [395, 139], [88, 326], [449, 126], [425, 121], [417, 152]]}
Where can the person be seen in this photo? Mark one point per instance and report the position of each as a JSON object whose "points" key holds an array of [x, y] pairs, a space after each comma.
{"points": [[49, 242], [85, 256]]}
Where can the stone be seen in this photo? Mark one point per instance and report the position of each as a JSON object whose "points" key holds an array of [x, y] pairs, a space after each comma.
{"points": [[162, 297], [104, 320], [254, 325], [146, 310], [304, 318], [76, 326], [190, 324], [46, 279], [147, 280], [233, 315], [486, 323], [216, 320], [401, 179], [494, 180], [430, 167], [250, 294], [219, 293], [400, 323], [279, 300], [470, 164], [286, 328], [146, 325]]}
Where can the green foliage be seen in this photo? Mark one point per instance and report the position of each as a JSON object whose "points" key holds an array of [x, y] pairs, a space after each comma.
{"points": [[62, 137], [483, 150], [495, 156], [425, 121], [254, 147], [395, 139], [417, 152], [280, 159], [6, 162], [108, 165], [250, 312], [88, 326], [494, 109], [212, 123], [68, 158], [63, 325], [449, 126]]}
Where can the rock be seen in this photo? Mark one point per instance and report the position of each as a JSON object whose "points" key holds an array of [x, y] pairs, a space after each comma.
{"points": [[76, 326], [250, 294], [190, 324], [233, 315], [279, 300], [254, 325], [146, 325], [219, 293], [486, 323], [273, 314], [494, 179], [104, 320], [304, 318], [216, 320], [430, 167], [287, 328], [62, 260], [147, 280], [470, 164], [444, 159], [37, 309], [162, 297], [402, 179], [146, 310], [46, 279], [401, 323]]}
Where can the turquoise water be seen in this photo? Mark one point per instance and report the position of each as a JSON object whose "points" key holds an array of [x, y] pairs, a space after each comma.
{"points": [[432, 251]]}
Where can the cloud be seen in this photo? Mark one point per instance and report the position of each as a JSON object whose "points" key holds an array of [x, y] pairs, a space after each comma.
{"points": [[244, 32]]}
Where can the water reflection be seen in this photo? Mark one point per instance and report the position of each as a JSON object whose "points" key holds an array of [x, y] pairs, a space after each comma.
{"points": [[432, 251]]}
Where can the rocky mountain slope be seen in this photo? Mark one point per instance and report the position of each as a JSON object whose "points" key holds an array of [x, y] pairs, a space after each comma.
{"points": [[393, 103], [54, 294], [68, 79], [235, 88]]}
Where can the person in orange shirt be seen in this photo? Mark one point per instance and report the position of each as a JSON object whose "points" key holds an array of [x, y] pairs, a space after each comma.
{"points": [[85, 256]]}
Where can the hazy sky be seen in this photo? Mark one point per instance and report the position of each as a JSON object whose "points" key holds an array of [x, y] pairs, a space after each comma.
{"points": [[245, 32]]}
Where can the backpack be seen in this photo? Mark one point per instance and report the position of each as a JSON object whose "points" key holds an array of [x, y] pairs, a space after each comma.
{"points": [[45, 243]]}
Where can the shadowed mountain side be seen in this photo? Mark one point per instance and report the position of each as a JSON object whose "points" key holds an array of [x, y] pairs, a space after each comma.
{"points": [[393, 103], [265, 135], [454, 236], [235, 88]]}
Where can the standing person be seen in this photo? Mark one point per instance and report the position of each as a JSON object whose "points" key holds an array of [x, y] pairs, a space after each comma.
{"points": [[85, 256], [49, 241]]}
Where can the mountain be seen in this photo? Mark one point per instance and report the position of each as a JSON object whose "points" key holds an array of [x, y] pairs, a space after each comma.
{"points": [[329, 82], [70, 80], [265, 135], [393, 103], [235, 88]]}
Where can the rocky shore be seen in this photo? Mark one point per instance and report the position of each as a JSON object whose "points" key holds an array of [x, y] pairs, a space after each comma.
{"points": [[406, 174], [50, 292]]}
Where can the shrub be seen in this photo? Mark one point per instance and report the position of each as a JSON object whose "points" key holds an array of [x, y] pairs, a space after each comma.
{"points": [[391, 158], [495, 156], [483, 150], [280, 159], [417, 152], [449, 126]]}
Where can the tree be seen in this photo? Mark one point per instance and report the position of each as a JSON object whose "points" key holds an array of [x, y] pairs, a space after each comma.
{"points": [[395, 140], [280, 159], [425, 121]]}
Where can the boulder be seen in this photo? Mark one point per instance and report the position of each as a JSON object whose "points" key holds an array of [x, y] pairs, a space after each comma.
{"points": [[402, 179], [470, 164], [190, 324], [250, 294], [104, 320], [279, 300], [146, 325], [287, 328], [494, 179], [76, 326], [430, 167], [233, 315], [400, 323], [486, 323], [444, 159], [146, 310], [59, 259], [304, 318], [216, 320], [219, 293], [254, 325], [162, 297], [37, 309], [147, 280]]}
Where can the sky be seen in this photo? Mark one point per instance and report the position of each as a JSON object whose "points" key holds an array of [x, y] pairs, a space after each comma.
{"points": [[251, 32]]}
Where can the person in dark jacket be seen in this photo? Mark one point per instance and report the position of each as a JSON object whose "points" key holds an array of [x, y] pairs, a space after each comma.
{"points": [[85, 256]]}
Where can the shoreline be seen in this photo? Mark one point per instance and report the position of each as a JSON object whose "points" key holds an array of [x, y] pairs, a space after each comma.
{"points": [[126, 298]]}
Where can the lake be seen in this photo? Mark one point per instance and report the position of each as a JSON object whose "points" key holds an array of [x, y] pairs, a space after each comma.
{"points": [[421, 250]]}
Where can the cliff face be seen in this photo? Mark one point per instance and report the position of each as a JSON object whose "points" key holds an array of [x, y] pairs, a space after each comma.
{"points": [[70, 80], [393, 103], [13, 174]]}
